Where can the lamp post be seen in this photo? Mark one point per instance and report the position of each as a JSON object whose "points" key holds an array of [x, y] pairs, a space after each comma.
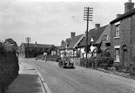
{"points": [[88, 13]]}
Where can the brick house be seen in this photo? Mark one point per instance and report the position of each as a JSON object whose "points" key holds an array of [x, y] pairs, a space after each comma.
{"points": [[123, 36]]}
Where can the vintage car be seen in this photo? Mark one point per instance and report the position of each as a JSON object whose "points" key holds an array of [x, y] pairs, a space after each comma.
{"points": [[66, 62]]}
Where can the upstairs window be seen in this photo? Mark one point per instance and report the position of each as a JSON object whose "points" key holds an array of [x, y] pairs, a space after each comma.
{"points": [[105, 38], [117, 29]]}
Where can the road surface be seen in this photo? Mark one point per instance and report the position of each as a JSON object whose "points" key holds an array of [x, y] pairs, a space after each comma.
{"points": [[80, 80]]}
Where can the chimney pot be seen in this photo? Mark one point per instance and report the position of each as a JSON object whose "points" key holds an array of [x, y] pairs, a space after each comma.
{"points": [[62, 42], [118, 15], [72, 34], [97, 26], [129, 6]]}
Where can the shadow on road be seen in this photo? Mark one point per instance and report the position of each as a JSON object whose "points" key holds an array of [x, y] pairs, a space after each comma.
{"points": [[69, 67]]}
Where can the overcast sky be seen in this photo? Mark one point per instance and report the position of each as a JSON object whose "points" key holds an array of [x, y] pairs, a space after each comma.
{"points": [[50, 21]]}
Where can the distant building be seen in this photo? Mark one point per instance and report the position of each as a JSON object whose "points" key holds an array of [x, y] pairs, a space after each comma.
{"points": [[62, 48], [123, 36], [69, 46], [34, 50], [72, 48]]}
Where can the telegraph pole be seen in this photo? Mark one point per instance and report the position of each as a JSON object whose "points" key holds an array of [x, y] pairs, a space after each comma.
{"points": [[28, 39], [88, 14]]}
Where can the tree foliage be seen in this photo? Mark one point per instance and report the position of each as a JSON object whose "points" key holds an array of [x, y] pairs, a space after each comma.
{"points": [[10, 41]]}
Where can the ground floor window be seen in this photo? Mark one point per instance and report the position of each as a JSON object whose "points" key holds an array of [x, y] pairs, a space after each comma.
{"points": [[117, 54]]}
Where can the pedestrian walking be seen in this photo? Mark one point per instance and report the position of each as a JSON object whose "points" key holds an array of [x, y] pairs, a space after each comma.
{"points": [[45, 55]]}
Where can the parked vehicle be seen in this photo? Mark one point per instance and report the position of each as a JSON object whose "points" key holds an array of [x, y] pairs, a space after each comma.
{"points": [[66, 62]]}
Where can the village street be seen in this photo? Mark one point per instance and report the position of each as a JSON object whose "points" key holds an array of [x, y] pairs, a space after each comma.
{"points": [[80, 80]]}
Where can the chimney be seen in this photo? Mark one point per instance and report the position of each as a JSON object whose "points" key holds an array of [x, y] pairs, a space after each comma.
{"points": [[118, 15], [97, 26], [62, 42], [129, 6], [36, 43], [72, 34]]}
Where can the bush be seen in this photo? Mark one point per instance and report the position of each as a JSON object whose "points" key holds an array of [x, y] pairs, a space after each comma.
{"points": [[132, 69], [87, 62], [83, 62], [105, 62]]}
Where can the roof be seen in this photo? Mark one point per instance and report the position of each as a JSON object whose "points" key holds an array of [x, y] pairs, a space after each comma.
{"points": [[62, 47], [127, 14], [74, 41], [36, 45], [68, 40], [105, 32], [93, 33]]}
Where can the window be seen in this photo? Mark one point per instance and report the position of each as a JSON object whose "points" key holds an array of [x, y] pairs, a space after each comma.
{"points": [[108, 44], [117, 29], [117, 55], [105, 38]]}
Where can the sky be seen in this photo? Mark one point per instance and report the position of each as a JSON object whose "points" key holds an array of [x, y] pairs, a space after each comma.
{"points": [[51, 21]]}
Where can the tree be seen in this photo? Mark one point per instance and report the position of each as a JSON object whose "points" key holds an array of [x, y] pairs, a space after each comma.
{"points": [[10, 41]]}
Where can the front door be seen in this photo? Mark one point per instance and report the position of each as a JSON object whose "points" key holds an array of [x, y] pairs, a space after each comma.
{"points": [[125, 56]]}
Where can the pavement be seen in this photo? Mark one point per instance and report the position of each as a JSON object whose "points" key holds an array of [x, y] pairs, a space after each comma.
{"points": [[28, 81]]}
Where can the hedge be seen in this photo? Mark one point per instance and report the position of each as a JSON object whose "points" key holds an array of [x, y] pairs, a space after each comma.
{"points": [[102, 62], [8, 65], [87, 62]]}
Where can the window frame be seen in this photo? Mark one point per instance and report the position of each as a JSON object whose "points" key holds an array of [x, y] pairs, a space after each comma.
{"points": [[117, 54], [117, 31], [105, 38]]}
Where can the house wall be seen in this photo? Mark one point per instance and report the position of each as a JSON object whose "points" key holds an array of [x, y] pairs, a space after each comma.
{"points": [[127, 37], [82, 52], [70, 52], [132, 39], [22, 51], [61, 52], [114, 41]]}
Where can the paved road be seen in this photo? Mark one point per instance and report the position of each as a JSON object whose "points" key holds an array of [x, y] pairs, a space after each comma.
{"points": [[81, 80]]}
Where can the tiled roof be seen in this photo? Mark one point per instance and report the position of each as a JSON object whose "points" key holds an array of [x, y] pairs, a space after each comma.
{"points": [[105, 32], [93, 33], [36, 45], [62, 47], [68, 40], [74, 41], [129, 13]]}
